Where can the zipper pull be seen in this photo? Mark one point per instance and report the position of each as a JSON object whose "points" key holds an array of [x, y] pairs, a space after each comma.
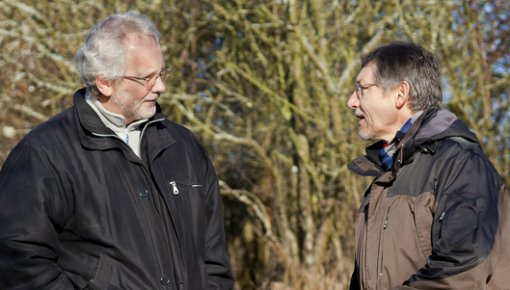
{"points": [[441, 217], [174, 186]]}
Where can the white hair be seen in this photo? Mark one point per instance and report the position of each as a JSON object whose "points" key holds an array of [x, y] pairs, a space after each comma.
{"points": [[103, 52]]}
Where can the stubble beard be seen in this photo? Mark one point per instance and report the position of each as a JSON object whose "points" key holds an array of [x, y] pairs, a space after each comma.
{"points": [[132, 110]]}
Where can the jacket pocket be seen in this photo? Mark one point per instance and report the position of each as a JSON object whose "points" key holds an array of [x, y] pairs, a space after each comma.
{"points": [[190, 195], [459, 224], [106, 275], [423, 217], [178, 187], [189, 200]]}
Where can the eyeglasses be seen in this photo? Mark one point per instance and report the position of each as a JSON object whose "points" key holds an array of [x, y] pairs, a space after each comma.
{"points": [[150, 80], [360, 88]]}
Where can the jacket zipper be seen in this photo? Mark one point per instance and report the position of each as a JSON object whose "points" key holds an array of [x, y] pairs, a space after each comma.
{"points": [[380, 254], [176, 269], [152, 238], [151, 186], [174, 187]]}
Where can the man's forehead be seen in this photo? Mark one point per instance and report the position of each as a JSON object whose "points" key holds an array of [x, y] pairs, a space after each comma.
{"points": [[366, 72]]}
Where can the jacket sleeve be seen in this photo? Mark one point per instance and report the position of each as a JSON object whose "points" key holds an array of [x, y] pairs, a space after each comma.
{"points": [[216, 257], [464, 225], [28, 223]]}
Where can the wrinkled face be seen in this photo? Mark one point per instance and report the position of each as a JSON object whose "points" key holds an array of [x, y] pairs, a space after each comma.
{"points": [[133, 97], [374, 107]]}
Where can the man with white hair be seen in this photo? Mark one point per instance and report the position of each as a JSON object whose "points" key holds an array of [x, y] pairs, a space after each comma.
{"points": [[109, 194]]}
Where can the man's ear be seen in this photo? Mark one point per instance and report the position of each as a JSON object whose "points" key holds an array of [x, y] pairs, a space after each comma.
{"points": [[402, 94], [104, 86]]}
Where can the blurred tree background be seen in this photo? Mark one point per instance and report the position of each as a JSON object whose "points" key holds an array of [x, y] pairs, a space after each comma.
{"points": [[264, 84]]}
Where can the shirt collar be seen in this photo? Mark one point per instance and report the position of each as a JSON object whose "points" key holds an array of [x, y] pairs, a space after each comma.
{"points": [[114, 121]]}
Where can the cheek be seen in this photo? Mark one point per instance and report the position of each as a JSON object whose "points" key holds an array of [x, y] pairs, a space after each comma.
{"points": [[370, 112], [135, 98], [134, 91], [378, 114]]}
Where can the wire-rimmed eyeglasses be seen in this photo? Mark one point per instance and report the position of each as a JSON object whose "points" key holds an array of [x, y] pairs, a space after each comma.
{"points": [[150, 80], [360, 88]]}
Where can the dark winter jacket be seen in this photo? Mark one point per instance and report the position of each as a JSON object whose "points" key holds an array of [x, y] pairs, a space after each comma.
{"points": [[439, 219], [79, 210]]}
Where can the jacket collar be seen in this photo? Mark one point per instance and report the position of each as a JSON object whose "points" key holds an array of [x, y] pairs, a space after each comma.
{"points": [[95, 135], [87, 117], [431, 126], [434, 126]]}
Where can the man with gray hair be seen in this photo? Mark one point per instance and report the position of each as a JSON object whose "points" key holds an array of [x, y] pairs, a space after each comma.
{"points": [[437, 214], [109, 194]]}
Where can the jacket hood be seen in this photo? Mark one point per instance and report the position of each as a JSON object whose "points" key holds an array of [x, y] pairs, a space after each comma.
{"points": [[433, 125], [441, 124]]}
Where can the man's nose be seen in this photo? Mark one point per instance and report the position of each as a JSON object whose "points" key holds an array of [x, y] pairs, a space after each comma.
{"points": [[159, 86], [353, 101]]}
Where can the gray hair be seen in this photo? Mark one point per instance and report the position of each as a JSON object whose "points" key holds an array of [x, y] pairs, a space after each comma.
{"points": [[103, 52], [400, 61]]}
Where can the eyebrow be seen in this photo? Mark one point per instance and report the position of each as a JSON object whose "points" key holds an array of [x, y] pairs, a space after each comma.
{"points": [[155, 72]]}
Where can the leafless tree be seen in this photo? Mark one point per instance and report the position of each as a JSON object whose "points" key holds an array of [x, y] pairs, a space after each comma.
{"points": [[264, 84]]}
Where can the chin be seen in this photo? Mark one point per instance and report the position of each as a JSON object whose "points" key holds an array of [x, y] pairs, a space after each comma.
{"points": [[146, 114], [366, 136]]}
